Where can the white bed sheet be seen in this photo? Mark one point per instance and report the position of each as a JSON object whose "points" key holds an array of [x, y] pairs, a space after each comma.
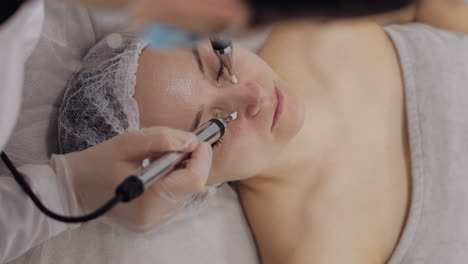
{"points": [[218, 232]]}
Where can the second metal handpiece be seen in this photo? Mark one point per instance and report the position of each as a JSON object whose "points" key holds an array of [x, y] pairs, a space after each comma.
{"points": [[223, 49]]}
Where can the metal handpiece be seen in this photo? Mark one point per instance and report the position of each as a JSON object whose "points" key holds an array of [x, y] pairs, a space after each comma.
{"points": [[223, 49], [209, 132], [160, 167]]}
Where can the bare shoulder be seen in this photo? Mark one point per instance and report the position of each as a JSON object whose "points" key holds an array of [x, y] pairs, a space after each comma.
{"points": [[449, 15], [337, 50], [361, 93]]}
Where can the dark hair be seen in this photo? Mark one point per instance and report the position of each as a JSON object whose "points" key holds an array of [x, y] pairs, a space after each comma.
{"points": [[8, 9], [264, 11]]}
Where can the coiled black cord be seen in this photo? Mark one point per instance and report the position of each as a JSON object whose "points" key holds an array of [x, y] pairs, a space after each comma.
{"points": [[128, 190]]}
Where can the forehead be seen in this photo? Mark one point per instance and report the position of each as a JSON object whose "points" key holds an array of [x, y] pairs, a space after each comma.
{"points": [[177, 61], [168, 89]]}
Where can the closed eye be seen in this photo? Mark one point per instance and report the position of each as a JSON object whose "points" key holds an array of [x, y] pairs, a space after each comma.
{"points": [[201, 66], [220, 72], [218, 143], [196, 54]]}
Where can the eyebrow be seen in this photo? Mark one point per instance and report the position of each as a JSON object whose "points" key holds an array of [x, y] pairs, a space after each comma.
{"points": [[196, 121], [196, 54]]}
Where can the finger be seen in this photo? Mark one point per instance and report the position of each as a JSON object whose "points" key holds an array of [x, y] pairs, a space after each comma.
{"points": [[148, 142], [104, 4], [193, 11], [182, 183]]}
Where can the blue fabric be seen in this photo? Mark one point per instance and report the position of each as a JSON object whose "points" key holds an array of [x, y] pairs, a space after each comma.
{"points": [[162, 37]]}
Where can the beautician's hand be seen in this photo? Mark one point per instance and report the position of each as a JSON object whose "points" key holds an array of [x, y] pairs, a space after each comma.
{"points": [[197, 16], [96, 172]]}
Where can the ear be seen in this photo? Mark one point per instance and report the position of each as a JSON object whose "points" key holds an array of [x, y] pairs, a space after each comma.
{"points": [[200, 16]]}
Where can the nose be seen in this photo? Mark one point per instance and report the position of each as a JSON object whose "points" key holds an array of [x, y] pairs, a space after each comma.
{"points": [[248, 98]]}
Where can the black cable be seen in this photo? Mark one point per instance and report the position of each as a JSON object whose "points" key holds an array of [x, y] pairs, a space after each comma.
{"points": [[128, 190]]}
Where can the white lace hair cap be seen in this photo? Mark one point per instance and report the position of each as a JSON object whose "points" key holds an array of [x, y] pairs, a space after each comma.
{"points": [[98, 102]]}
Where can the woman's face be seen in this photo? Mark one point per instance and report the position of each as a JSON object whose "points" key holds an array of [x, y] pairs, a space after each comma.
{"points": [[182, 89]]}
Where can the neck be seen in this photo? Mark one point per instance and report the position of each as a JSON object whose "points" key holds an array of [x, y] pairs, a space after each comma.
{"points": [[306, 154], [293, 167]]}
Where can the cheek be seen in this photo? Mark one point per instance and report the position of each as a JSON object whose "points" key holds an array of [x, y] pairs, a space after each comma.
{"points": [[236, 132], [238, 158]]}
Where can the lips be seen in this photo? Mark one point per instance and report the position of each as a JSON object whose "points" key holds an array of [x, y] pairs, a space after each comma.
{"points": [[278, 107]]}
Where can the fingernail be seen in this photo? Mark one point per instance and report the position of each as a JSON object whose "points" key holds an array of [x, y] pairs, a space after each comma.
{"points": [[189, 141]]}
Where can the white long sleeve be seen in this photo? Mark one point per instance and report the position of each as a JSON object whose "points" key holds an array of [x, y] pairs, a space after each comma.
{"points": [[22, 225], [18, 37]]}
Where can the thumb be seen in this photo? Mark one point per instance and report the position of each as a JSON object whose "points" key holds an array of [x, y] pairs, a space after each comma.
{"points": [[191, 15]]}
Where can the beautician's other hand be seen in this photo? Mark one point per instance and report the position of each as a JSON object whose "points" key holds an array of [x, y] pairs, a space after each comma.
{"points": [[197, 16], [95, 173]]}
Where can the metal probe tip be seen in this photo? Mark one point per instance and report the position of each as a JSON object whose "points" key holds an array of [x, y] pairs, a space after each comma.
{"points": [[231, 117], [234, 79]]}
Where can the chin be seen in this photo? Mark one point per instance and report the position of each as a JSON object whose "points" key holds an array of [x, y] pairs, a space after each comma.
{"points": [[214, 181]]}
